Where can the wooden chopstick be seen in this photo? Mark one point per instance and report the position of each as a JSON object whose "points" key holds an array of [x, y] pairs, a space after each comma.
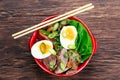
{"points": [[49, 22], [20, 32]]}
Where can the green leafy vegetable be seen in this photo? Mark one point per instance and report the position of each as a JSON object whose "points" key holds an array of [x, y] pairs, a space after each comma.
{"points": [[85, 57], [57, 38], [83, 41]]}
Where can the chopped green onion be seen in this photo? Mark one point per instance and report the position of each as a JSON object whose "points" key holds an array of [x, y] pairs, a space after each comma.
{"points": [[65, 55], [71, 46], [52, 35], [57, 48], [62, 66], [77, 59], [53, 51], [51, 64], [55, 26], [70, 53], [44, 32]]}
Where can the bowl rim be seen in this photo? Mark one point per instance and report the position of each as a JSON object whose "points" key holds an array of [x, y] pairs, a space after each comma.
{"points": [[82, 66]]}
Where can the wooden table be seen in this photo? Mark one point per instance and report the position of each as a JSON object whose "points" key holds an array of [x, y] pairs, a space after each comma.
{"points": [[16, 62]]}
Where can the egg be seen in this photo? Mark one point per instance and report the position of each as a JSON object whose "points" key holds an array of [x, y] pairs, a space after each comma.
{"points": [[68, 36], [42, 49]]}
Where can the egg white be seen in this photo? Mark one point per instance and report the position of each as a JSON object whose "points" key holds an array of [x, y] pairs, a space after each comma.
{"points": [[66, 42], [36, 52]]}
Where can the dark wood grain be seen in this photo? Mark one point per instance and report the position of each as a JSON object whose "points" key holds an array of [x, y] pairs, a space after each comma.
{"points": [[16, 62]]}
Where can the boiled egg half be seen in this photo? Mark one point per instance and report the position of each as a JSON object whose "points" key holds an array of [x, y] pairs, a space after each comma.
{"points": [[68, 36], [42, 49]]}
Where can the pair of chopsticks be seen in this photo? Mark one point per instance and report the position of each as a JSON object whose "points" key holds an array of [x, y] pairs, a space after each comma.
{"points": [[53, 20]]}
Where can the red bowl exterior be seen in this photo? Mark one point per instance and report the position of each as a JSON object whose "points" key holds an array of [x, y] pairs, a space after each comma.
{"points": [[36, 36]]}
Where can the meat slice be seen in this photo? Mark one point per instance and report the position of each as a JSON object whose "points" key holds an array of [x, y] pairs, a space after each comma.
{"points": [[47, 61], [62, 58]]}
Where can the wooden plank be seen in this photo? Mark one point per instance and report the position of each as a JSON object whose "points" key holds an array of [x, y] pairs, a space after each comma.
{"points": [[16, 62]]}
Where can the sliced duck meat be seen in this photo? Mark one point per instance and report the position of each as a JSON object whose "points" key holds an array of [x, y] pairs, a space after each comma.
{"points": [[63, 56], [62, 61], [50, 62]]}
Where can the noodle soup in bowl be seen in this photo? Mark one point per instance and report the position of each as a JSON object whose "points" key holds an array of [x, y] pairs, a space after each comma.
{"points": [[64, 48]]}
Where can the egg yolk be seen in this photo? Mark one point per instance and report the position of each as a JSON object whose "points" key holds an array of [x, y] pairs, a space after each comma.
{"points": [[44, 48], [69, 33]]}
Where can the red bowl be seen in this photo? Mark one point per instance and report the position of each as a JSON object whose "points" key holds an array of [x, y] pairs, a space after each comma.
{"points": [[35, 36]]}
